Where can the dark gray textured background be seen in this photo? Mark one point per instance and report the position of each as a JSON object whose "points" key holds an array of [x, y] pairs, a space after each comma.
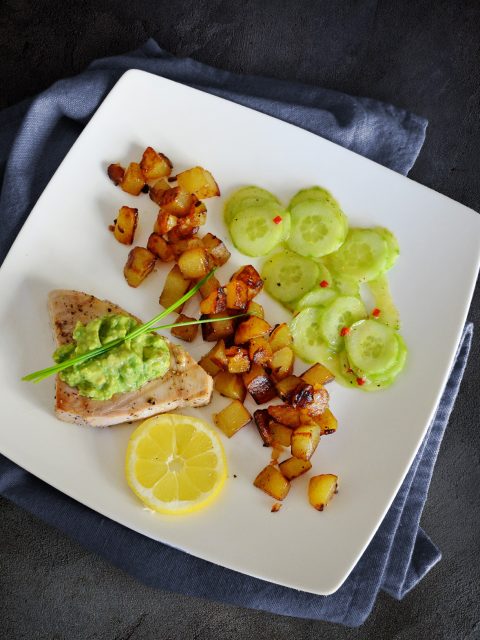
{"points": [[421, 55]]}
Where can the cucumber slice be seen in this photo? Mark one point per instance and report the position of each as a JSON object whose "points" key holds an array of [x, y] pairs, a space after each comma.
{"points": [[313, 193], [397, 367], [316, 298], [393, 248], [380, 290], [254, 231], [308, 342], [287, 276], [342, 312], [372, 347], [347, 377], [362, 257], [244, 198], [318, 228]]}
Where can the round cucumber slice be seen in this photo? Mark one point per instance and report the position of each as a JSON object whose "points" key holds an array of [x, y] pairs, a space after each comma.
{"points": [[397, 367], [316, 298], [254, 231], [372, 347], [287, 276], [318, 228], [393, 248], [308, 341], [363, 255], [244, 198], [342, 312], [346, 376], [313, 193]]}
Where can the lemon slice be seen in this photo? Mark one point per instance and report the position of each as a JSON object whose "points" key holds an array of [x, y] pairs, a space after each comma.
{"points": [[175, 464]]}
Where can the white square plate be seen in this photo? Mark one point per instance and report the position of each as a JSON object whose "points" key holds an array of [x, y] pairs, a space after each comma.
{"points": [[66, 244]]}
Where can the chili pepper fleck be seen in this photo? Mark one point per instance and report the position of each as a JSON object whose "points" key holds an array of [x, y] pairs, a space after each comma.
{"points": [[277, 219], [376, 312], [324, 284], [345, 331], [361, 381]]}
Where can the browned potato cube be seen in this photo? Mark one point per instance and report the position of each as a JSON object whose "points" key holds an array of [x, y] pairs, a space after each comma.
{"points": [[262, 420], [281, 362], [207, 365], [285, 414], [176, 201], [273, 482], [191, 221], [259, 385], [251, 328], [211, 285], [198, 181], [294, 467], [193, 263], [198, 207], [255, 309], [237, 360], [188, 333], [236, 295], [259, 350], [182, 245], [317, 375], [218, 356], [176, 286], [157, 190], [157, 245], [216, 249], [175, 235], [164, 223], [327, 422], [140, 263], [286, 386], [281, 337], [321, 490], [216, 302], [232, 418], [133, 181], [281, 435], [305, 440], [125, 225], [116, 173], [213, 331], [230, 385], [302, 396], [318, 404], [250, 277], [154, 165]]}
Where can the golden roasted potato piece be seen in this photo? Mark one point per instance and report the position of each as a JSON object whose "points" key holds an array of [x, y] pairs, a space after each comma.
{"points": [[281, 337], [188, 333], [305, 440], [133, 181], [273, 482], [237, 360], [321, 490], [259, 350], [218, 356], [259, 385], [165, 222], [302, 396], [175, 235], [126, 224], [250, 277], [157, 245], [237, 295], [230, 385], [198, 181], [176, 201], [216, 302], [157, 190], [191, 221], [140, 263], [193, 263], [255, 309], [262, 420], [281, 362], [198, 207], [317, 375], [286, 386], [281, 435], [216, 248], [327, 422], [213, 331], [208, 364], [252, 328], [182, 245], [285, 414], [294, 467], [211, 285], [154, 165], [232, 418], [176, 286], [318, 403], [116, 173]]}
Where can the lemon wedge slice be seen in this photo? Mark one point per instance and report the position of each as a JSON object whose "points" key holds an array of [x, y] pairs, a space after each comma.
{"points": [[175, 464]]}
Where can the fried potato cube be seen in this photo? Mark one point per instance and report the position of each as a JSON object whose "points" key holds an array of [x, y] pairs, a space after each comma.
{"points": [[305, 440], [140, 263], [237, 295], [191, 221], [327, 422], [198, 207], [273, 482], [318, 403], [157, 245], [286, 386], [193, 263], [294, 467], [318, 374], [302, 396], [259, 385], [133, 181], [285, 414], [198, 181], [155, 165], [116, 173], [208, 365], [230, 385], [216, 302], [232, 418], [211, 285], [281, 337], [262, 421], [216, 248], [251, 328], [176, 201], [321, 490], [157, 190], [164, 223], [213, 331], [281, 362], [237, 360], [188, 333], [218, 356], [176, 234], [125, 225], [281, 435], [255, 309], [259, 350], [249, 276], [182, 245], [175, 286]]}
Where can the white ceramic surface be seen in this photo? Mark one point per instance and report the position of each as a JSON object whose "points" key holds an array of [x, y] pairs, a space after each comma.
{"points": [[66, 244]]}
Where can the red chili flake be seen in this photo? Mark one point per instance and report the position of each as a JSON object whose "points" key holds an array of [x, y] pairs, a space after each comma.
{"points": [[345, 331], [324, 284], [277, 219], [361, 381], [376, 312]]}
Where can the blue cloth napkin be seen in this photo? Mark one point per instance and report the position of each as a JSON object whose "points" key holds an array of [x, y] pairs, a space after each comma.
{"points": [[34, 137]]}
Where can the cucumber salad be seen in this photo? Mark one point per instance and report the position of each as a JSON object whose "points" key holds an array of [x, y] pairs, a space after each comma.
{"points": [[315, 266]]}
